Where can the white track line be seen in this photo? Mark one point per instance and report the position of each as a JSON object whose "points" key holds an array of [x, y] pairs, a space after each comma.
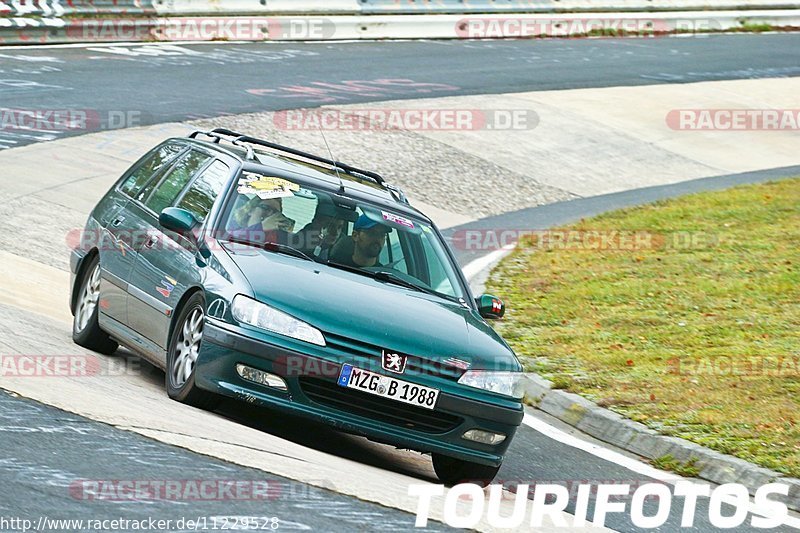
{"points": [[611, 456], [631, 464], [475, 267]]}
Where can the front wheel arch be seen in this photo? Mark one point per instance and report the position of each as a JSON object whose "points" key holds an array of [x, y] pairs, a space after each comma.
{"points": [[179, 308], [187, 392]]}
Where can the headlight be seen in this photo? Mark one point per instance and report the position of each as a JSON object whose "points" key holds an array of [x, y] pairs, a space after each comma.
{"points": [[507, 383], [262, 316]]}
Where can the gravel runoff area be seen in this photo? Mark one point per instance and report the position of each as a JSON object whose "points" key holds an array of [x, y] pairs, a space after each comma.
{"points": [[427, 170]]}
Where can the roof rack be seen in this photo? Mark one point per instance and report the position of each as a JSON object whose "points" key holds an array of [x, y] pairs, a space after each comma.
{"points": [[220, 134]]}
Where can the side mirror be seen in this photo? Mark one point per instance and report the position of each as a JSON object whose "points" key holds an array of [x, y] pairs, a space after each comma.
{"points": [[490, 307], [178, 220]]}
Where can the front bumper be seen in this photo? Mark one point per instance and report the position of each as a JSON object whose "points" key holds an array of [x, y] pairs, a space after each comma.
{"points": [[319, 398]]}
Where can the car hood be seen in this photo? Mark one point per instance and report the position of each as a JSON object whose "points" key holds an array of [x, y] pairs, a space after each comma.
{"points": [[366, 310]]}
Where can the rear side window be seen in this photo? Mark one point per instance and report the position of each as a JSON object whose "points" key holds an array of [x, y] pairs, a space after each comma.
{"points": [[205, 189], [154, 163], [174, 182]]}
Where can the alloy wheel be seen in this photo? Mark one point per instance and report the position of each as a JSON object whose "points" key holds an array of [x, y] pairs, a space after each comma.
{"points": [[88, 299], [185, 351]]}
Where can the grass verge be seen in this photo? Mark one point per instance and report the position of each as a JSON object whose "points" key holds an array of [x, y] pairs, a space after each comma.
{"points": [[670, 464], [693, 328]]}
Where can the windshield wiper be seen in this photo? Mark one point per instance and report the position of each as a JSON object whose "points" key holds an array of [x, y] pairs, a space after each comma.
{"points": [[388, 277], [397, 280], [349, 268], [393, 278], [275, 247]]}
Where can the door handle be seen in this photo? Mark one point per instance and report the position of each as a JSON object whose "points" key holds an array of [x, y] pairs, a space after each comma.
{"points": [[117, 221], [151, 241]]}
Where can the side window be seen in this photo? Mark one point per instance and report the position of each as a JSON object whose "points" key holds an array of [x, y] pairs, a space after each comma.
{"points": [[155, 162], [205, 189], [173, 183], [392, 254], [436, 259]]}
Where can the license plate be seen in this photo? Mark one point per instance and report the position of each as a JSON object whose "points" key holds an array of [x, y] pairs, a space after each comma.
{"points": [[388, 387]]}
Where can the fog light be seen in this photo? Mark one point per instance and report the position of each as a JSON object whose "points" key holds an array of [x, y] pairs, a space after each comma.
{"points": [[484, 437], [261, 377]]}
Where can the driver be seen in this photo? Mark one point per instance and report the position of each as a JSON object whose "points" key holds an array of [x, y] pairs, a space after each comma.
{"points": [[261, 220], [369, 238]]}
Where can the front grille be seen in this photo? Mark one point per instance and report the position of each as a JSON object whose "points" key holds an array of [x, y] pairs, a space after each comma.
{"points": [[360, 403], [358, 352]]}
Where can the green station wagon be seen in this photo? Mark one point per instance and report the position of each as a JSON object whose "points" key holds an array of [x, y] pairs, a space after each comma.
{"points": [[290, 281]]}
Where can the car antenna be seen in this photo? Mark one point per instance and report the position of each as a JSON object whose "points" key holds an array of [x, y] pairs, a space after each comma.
{"points": [[333, 159]]}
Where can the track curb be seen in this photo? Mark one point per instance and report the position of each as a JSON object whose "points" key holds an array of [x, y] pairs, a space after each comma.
{"points": [[637, 438]]}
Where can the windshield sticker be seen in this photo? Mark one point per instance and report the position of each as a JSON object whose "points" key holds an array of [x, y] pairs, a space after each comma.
{"points": [[266, 187], [397, 219]]}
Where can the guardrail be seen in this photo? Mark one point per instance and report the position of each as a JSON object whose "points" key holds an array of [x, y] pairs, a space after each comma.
{"points": [[82, 8], [27, 30], [71, 8], [371, 7]]}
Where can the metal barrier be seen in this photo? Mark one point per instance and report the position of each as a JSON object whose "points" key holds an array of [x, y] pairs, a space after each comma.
{"points": [[257, 7], [109, 21], [69, 8], [22, 30], [384, 7], [78, 8]]}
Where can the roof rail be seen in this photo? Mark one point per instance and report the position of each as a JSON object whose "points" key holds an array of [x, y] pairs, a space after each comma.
{"points": [[237, 139]]}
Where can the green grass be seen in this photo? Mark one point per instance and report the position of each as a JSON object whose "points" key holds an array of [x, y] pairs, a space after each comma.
{"points": [[755, 27], [670, 464], [699, 340]]}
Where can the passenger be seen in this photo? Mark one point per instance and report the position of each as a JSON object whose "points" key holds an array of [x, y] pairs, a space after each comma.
{"points": [[261, 221], [369, 238], [319, 235]]}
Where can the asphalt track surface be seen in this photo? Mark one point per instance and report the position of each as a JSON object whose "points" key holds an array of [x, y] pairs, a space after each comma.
{"points": [[165, 83], [155, 83], [47, 456]]}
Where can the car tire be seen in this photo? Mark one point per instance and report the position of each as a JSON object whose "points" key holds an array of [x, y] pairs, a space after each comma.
{"points": [[184, 346], [452, 471], [86, 330]]}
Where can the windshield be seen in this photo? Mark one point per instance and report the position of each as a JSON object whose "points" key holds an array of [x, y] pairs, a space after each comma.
{"points": [[285, 217]]}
